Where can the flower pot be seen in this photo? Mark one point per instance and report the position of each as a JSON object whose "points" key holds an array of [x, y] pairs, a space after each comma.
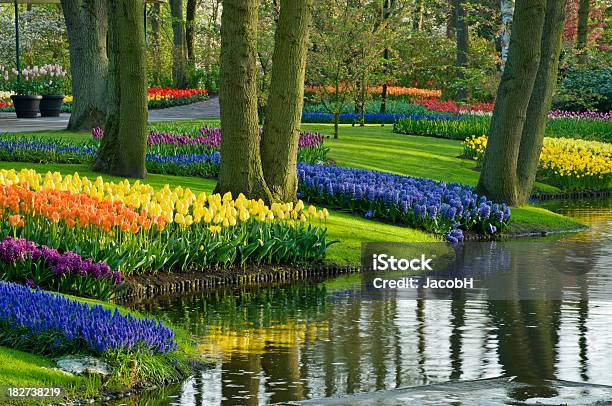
{"points": [[26, 106], [51, 105]]}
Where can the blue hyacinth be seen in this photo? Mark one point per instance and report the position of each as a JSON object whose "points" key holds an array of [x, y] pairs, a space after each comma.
{"points": [[435, 206], [97, 328]]}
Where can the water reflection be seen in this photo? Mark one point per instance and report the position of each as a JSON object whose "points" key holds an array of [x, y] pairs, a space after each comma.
{"points": [[317, 340]]}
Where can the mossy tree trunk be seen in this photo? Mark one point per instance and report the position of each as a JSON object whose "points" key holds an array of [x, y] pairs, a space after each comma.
{"points": [[521, 106], [123, 147], [541, 98], [86, 25], [241, 170], [583, 23], [179, 51], [282, 126]]}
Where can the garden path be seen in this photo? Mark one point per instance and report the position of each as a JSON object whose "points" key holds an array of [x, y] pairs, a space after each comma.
{"points": [[204, 109]]}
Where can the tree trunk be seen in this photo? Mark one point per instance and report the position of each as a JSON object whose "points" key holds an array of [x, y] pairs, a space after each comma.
{"points": [[282, 126], [123, 147], [541, 98], [451, 21], [387, 5], [507, 9], [583, 23], [417, 23], [86, 25], [179, 53], [363, 93], [336, 122], [463, 37], [155, 70], [499, 179], [241, 170], [190, 29]]}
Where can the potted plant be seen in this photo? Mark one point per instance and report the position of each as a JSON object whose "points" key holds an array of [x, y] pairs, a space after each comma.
{"points": [[51, 86], [26, 100]]}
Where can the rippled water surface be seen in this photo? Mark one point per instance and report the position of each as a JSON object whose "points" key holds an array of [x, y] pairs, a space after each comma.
{"points": [[324, 340]]}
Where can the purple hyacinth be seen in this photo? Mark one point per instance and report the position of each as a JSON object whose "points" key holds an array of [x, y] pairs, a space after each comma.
{"points": [[20, 250]]}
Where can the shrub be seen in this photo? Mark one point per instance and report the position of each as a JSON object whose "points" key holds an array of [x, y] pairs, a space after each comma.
{"points": [[583, 89], [462, 127], [452, 127]]}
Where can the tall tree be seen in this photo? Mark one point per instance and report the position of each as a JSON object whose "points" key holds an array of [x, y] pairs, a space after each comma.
{"points": [[522, 104], [86, 23], [386, 12], [179, 51], [123, 147], [463, 44], [583, 23], [541, 98], [190, 17], [241, 170], [284, 110]]}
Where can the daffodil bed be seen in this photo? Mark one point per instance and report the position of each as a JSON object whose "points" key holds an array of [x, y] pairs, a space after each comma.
{"points": [[135, 229], [570, 164]]}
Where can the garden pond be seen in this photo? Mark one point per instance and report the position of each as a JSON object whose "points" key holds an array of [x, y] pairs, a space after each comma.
{"points": [[324, 339]]}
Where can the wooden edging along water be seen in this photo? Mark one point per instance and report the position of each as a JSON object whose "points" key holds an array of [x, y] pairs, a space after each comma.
{"points": [[158, 284], [578, 194]]}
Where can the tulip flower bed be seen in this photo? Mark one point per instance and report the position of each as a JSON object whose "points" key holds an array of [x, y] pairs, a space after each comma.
{"points": [[24, 262], [439, 207], [463, 127], [135, 228], [570, 164], [450, 106], [160, 98], [50, 324]]}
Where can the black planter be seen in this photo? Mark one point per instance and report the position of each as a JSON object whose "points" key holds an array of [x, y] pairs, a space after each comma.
{"points": [[26, 106], [51, 105]]}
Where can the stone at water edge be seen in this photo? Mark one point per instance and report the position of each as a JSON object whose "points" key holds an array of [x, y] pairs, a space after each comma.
{"points": [[83, 365]]}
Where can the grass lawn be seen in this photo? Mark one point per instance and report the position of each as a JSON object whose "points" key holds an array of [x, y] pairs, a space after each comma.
{"points": [[21, 369], [371, 147]]}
